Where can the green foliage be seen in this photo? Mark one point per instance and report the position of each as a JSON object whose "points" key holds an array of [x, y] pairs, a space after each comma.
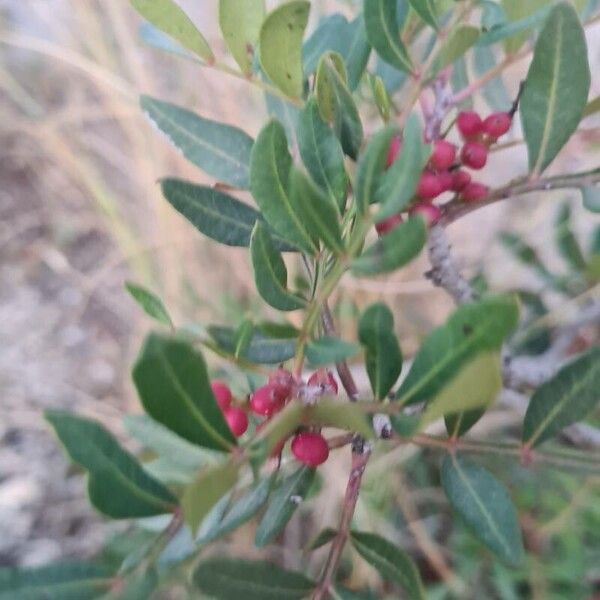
{"points": [[151, 304], [426, 10], [329, 349], [460, 39], [565, 239], [591, 198]]}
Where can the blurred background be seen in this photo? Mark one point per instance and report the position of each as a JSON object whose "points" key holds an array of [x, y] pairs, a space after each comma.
{"points": [[81, 212]]}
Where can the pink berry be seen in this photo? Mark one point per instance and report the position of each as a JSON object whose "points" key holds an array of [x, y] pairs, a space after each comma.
{"points": [[474, 155], [393, 150], [265, 401], [282, 381], [443, 155], [474, 191], [429, 186], [325, 380], [446, 178], [460, 179], [469, 123], [388, 224], [221, 392], [236, 419], [431, 212], [497, 124], [310, 448]]}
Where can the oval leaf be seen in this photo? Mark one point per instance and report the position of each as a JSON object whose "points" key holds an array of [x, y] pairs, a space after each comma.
{"points": [[331, 412], [426, 10], [329, 349], [150, 303]]}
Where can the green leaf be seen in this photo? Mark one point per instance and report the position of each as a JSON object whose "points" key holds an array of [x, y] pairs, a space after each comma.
{"points": [[283, 504], [329, 349], [277, 428], [232, 579], [565, 399], [215, 214], [117, 484], [591, 198], [209, 487], [285, 112], [321, 153], [459, 40], [240, 22], [270, 272], [485, 506], [150, 303], [392, 250], [472, 329], [243, 336], [565, 239], [330, 35], [155, 38], [222, 151], [457, 424], [556, 88], [592, 107], [393, 564], [168, 17], [173, 386], [399, 182], [426, 10], [324, 537], [383, 32], [281, 46], [383, 102], [270, 166], [357, 53], [523, 17], [331, 412], [336, 104], [138, 585], [382, 351], [494, 92]]}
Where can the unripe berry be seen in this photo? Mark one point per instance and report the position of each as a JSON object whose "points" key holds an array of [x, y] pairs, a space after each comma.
{"points": [[474, 155], [429, 186], [221, 392], [325, 380], [429, 211], [236, 419], [446, 178], [282, 381], [265, 401], [474, 191], [460, 179], [469, 124], [443, 155], [310, 448], [388, 224], [497, 124], [393, 150]]}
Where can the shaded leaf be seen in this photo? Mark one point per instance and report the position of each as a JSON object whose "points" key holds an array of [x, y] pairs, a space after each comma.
{"points": [[150, 303], [330, 35], [322, 538], [426, 10], [591, 198], [331, 412], [457, 424], [459, 40], [523, 16], [565, 239], [358, 51], [329, 349]]}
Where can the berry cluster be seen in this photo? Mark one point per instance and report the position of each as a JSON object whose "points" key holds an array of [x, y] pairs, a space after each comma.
{"points": [[444, 171]]}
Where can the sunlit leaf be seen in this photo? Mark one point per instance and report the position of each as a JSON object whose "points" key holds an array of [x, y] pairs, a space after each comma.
{"points": [[150, 303]]}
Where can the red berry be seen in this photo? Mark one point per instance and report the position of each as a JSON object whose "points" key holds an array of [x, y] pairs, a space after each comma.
{"points": [[429, 186], [474, 191], [443, 155], [282, 381], [497, 124], [236, 419], [310, 448], [446, 178], [460, 179], [393, 150], [221, 392], [325, 380], [474, 155], [431, 212], [265, 401], [469, 123], [388, 224]]}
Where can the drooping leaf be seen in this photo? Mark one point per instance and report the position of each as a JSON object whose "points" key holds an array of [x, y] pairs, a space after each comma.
{"points": [[426, 10], [328, 349], [556, 87], [591, 198], [240, 22], [150, 303], [485, 506], [232, 579], [459, 40], [383, 32], [174, 388], [117, 484], [283, 504], [331, 412], [392, 250], [393, 563], [281, 46], [168, 17], [565, 399], [383, 358], [565, 239], [221, 150]]}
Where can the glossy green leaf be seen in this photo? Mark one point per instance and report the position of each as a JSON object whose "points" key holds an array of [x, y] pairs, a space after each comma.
{"points": [[485, 507], [556, 87], [383, 358], [341, 414], [240, 22], [459, 40], [168, 17], [565, 399], [270, 167], [392, 250], [221, 150], [591, 198], [281, 46], [329, 349], [383, 32], [117, 484], [232, 579], [215, 214], [472, 329], [150, 303], [270, 272], [393, 563], [426, 10], [321, 153], [283, 504], [565, 239], [174, 388]]}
